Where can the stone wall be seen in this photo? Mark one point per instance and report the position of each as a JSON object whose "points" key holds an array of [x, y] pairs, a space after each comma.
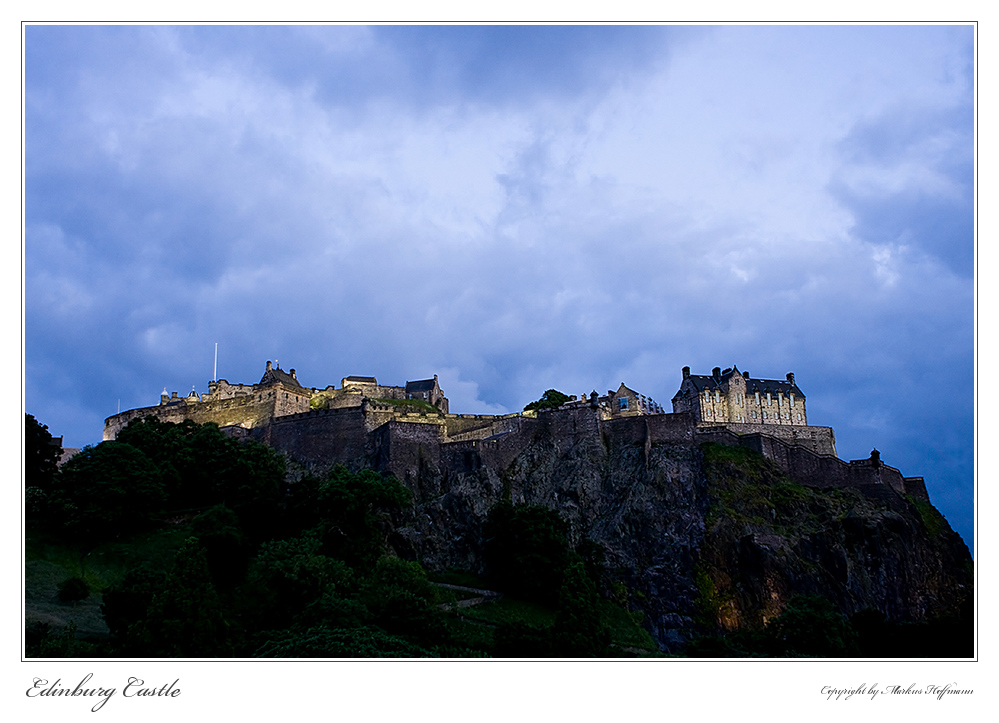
{"points": [[244, 411], [821, 440], [320, 438], [808, 468]]}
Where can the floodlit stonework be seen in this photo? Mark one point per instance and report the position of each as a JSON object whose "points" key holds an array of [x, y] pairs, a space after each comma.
{"points": [[405, 429]]}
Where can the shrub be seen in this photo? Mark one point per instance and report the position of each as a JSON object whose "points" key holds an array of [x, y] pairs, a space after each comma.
{"points": [[73, 590]]}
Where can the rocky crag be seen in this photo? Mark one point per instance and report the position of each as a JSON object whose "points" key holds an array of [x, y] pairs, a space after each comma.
{"points": [[705, 537]]}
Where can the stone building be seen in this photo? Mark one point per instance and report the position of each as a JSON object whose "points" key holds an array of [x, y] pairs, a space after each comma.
{"points": [[278, 395], [734, 397], [429, 391]]}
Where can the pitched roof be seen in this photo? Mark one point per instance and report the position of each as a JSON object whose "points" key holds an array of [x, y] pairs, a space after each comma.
{"points": [[364, 380], [277, 376], [702, 382], [423, 385]]}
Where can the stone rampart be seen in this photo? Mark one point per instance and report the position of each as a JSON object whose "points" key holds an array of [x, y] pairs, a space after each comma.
{"points": [[821, 440], [320, 438], [401, 448], [243, 411], [818, 470]]}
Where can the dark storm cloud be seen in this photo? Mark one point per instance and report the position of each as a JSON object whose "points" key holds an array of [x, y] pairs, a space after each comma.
{"points": [[917, 183]]}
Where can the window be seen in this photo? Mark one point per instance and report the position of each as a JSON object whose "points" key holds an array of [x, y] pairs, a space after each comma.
{"points": [[624, 404]]}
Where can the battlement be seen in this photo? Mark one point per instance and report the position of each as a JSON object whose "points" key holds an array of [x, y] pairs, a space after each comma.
{"points": [[399, 428]]}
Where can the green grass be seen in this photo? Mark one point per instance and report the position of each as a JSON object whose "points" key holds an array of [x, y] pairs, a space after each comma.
{"points": [[49, 562], [625, 629], [933, 521], [626, 632], [465, 578], [416, 405], [508, 610]]}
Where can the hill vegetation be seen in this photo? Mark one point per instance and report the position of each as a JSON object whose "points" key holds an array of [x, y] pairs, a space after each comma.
{"points": [[176, 540], [192, 544]]}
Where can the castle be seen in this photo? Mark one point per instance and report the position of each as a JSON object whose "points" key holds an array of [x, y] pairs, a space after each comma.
{"points": [[403, 429]]}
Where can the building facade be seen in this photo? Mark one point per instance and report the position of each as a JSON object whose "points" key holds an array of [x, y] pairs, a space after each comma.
{"points": [[734, 397]]}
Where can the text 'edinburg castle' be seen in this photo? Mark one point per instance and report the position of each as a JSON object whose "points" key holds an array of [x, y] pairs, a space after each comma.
{"points": [[396, 429]]}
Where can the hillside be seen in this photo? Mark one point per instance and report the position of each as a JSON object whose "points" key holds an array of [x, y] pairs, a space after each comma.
{"points": [[590, 539]]}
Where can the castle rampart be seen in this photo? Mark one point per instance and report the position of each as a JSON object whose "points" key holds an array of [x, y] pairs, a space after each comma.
{"points": [[404, 429]]}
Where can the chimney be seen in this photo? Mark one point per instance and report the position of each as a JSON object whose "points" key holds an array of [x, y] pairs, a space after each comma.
{"points": [[292, 372], [716, 372], [686, 372], [745, 375], [174, 395], [268, 366], [790, 377]]}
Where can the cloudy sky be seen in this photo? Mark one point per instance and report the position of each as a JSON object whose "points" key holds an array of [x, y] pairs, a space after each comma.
{"points": [[513, 209]]}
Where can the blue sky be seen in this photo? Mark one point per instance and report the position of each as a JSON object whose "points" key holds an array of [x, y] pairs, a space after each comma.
{"points": [[513, 209]]}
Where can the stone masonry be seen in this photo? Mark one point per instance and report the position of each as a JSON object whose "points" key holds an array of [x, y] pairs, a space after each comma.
{"points": [[403, 429]]}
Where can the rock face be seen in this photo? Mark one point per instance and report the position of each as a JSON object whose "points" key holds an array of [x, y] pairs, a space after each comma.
{"points": [[704, 536]]}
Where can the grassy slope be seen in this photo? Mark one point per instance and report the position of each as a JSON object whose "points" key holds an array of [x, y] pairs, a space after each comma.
{"points": [[48, 563]]}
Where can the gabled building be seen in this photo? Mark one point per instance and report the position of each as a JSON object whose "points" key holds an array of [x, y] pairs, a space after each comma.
{"points": [[734, 397], [429, 391]]}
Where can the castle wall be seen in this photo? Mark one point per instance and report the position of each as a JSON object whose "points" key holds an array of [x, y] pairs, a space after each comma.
{"points": [[808, 468], [401, 448], [320, 438], [464, 427], [244, 411], [820, 440]]}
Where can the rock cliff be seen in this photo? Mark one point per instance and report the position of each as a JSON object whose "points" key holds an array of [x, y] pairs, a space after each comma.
{"points": [[704, 537]]}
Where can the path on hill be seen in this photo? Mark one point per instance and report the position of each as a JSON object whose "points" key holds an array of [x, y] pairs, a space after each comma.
{"points": [[482, 596]]}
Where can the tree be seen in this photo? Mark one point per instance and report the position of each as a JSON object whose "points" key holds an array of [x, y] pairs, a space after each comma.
{"points": [[219, 533], [41, 456], [551, 399], [355, 511], [526, 550], [106, 491], [288, 576], [184, 618], [810, 626], [403, 601], [201, 466], [579, 631]]}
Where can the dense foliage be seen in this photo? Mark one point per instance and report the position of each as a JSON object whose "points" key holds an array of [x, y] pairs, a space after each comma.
{"points": [[551, 399], [40, 454]]}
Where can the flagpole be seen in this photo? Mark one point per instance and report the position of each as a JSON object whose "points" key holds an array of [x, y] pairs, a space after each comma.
{"points": [[215, 372]]}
